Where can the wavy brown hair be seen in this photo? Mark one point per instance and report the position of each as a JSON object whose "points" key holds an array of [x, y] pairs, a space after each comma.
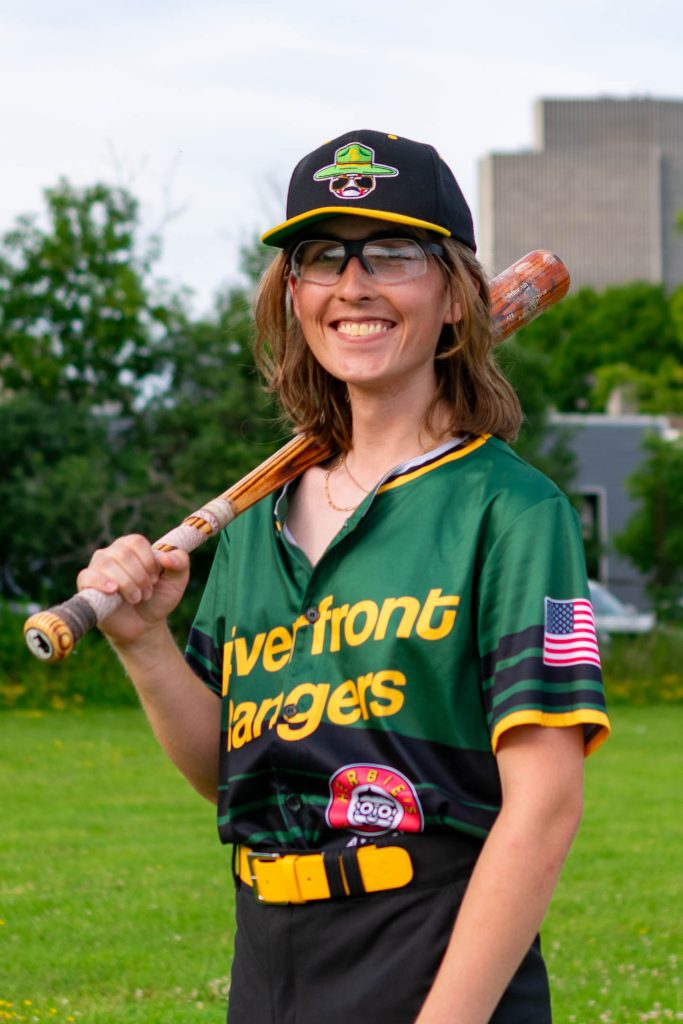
{"points": [[470, 383]]}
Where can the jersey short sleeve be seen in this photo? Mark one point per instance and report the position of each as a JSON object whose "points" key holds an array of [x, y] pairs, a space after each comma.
{"points": [[540, 662], [204, 649]]}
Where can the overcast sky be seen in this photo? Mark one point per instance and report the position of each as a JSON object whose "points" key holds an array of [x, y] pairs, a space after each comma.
{"points": [[202, 108]]}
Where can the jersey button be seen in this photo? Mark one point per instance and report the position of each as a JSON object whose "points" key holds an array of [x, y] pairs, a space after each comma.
{"points": [[289, 710], [312, 614], [293, 803]]}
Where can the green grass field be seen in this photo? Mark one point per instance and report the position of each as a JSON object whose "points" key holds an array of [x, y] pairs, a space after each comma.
{"points": [[115, 893]]}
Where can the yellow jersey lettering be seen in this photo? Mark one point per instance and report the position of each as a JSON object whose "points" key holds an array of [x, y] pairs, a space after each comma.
{"points": [[364, 682], [370, 611], [231, 712], [303, 723], [377, 694], [343, 706], [338, 615], [277, 649], [411, 610], [227, 667], [351, 625], [246, 659], [320, 625], [266, 707], [241, 730], [435, 601], [296, 626], [388, 699]]}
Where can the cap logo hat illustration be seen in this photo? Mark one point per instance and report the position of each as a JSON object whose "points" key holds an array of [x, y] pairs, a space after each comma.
{"points": [[374, 175], [353, 173]]}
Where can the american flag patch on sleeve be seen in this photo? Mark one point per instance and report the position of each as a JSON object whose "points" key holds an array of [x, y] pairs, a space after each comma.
{"points": [[569, 635]]}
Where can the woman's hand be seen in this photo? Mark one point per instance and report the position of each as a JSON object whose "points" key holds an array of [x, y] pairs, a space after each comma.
{"points": [[150, 582]]}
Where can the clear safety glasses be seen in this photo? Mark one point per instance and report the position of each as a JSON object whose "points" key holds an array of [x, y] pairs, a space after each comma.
{"points": [[390, 260]]}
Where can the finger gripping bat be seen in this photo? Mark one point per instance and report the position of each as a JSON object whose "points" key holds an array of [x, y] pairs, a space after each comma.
{"points": [[518, 295]]}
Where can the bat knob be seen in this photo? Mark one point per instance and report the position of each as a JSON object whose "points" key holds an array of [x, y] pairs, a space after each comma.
{"points": [[48, 637]]}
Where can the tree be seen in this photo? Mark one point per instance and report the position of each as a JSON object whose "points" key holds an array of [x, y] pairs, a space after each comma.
{"points": [[549, 451], [80, 318], [658, 392], [591, 342], [214, 422], [83, 330], [653, 538], [118, 413]]}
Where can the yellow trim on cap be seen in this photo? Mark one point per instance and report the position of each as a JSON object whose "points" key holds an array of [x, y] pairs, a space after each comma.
{"points": [[336, 211], [582, 716]]}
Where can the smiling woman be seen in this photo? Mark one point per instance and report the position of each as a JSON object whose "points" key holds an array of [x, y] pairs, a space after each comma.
{"points": [[367, 691], [398, 322], [465, 381]]}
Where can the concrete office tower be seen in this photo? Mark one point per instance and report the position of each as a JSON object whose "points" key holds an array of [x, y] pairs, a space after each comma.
{"points": [[602, 188]]}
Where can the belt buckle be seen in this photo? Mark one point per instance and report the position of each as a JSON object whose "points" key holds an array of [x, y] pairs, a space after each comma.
{"points": [[256, 856]]}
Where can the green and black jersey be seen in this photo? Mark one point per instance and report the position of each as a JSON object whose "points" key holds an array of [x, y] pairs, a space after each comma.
{"points": [[368, 694]]}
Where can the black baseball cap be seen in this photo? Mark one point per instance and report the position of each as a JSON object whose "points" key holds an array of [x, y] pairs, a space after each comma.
{"points": [[371, 174]]}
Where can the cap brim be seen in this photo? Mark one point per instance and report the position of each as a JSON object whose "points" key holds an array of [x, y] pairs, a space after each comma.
{"points": [[283, 232]]}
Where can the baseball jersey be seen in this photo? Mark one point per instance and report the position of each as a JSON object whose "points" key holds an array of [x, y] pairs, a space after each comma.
{"points": [[367, 694]]}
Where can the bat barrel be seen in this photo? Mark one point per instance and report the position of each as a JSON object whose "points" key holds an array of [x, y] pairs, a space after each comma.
{"points": [[522, 292]]}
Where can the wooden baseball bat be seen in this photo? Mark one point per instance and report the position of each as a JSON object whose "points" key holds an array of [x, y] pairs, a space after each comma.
{"points": [[518, 295]]}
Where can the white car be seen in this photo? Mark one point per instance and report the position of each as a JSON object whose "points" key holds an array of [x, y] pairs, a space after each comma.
{"points": [[613, 616]]}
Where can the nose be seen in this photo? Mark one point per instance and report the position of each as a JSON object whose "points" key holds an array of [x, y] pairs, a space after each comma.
{"points": [[355, 282]]}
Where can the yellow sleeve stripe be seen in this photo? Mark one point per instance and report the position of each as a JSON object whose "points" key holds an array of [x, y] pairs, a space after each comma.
{"points": [[582, 716], [421, 470]]}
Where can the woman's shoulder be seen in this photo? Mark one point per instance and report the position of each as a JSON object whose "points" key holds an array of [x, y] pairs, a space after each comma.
{"points": [[508, 479]]}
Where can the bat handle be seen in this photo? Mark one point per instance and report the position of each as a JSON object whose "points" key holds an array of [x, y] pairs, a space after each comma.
{"points": [[51, 634]]}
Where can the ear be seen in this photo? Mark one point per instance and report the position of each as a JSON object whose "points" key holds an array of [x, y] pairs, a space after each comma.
{"points": [[453, 314], [293, 295], [454, 311]]}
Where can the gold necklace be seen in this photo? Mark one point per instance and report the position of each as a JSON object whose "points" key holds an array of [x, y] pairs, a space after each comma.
{"points": [[326, 486], [345, 464], [341, 461]]}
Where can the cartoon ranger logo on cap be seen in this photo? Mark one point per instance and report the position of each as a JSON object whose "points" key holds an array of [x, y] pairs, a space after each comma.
{"points": [[353, 173]]}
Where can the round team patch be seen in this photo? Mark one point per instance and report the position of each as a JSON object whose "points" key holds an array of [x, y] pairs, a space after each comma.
{"points": [[372, 799]]}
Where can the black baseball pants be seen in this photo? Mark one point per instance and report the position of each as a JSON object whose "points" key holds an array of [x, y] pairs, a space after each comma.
{"points": [[362, 960]]}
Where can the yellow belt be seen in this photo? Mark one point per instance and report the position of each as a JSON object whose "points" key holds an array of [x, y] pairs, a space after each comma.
{"points": [[298, 878]]}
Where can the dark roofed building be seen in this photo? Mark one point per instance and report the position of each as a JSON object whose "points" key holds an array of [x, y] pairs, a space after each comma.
{"points": [[608, 450]]}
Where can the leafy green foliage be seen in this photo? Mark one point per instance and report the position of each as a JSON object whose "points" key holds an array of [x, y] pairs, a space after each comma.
{"points": [[214, 413], [83, 327], [653, 538], [77, 318], [526, 369], [118, 413], [591, 342], [214, 422]]}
